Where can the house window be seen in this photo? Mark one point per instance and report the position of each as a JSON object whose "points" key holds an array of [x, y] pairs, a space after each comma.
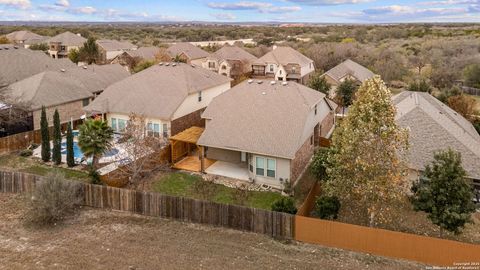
{"points": [[271, 167], [113, 123], [165, 131], [85, 102], [153, 130], [122, 124], [315, 109], [311, 140], [199, 96], [260, 166], [280, 72], [211, 64], [271, 68]]}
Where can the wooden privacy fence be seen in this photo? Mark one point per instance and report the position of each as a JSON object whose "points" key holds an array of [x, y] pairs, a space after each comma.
{"points": [[274, 224], [19, 141], [471, 90], [429, 250]]}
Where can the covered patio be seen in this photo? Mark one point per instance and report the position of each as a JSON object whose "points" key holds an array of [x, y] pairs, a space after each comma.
{"points": [[186, 154]]}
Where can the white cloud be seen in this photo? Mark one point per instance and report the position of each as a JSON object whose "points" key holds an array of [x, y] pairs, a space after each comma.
{"points": [[62, 3], [82, 10], [328, 2], [22, 4], [261, 7]]}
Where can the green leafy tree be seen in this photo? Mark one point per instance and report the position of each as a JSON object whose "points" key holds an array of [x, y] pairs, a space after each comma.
{"points": [[319, 164], [444, 192], [94, 139], [57, 139], [89, 53], [472, 75], [327, 207], [346, 92], [74, 56], [285, 205], [319, 83], [46, 153], [70, 151], [179, 59], [420, 86], [365, 169], [39, 47], [143, 65]]}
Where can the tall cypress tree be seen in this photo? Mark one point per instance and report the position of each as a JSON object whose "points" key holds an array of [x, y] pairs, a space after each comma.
{"points": [[70, 154], [46, 154], [57, 139]]}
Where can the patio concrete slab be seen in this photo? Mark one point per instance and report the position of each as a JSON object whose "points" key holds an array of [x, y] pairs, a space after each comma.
{"points": [[227, 169]]}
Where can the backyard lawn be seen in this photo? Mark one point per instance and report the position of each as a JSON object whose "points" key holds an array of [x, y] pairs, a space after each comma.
{"points": [[183, 184], [13, 162]]}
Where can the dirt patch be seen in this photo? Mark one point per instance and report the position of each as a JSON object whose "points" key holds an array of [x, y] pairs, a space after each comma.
{"points": [[98, 239]]}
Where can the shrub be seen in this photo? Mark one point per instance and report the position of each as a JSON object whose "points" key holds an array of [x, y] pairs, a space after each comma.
{"points": [[241, 195], [94, 176], [53, 200], [320, 164], [327, 207], [205, 189], [26, 153], [285, 205]]}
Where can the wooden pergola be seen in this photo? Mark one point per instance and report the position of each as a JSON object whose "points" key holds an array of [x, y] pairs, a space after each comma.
{"points": [[182, 144]]}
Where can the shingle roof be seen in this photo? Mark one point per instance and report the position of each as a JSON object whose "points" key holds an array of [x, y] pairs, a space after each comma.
{"points": [[24, 36], [22, 63], [433, 127], [284, 56], [349, 67], [157, 91], [68, 39], [115, 45], [233, 53], [147, 53], [261, 118], [50, 88], [193, 52]]}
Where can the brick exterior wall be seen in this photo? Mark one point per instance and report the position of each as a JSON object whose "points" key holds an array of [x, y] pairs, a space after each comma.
{"points": [[301, 160], [327, 124], [68, 111], [192, 119]]}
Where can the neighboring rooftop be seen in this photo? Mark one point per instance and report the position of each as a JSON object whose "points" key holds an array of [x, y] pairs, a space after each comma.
{"points": [[193, 52], [351, 68], [24, 36], [157, 91], [260, 118], [433, 127], [50, 88], [148, 53], [23, 63], [284, 56], [233, 53], [115, 45], [68, 39]]}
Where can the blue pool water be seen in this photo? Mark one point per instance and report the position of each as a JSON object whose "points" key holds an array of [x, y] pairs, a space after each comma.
{"points": [[77, 153]]}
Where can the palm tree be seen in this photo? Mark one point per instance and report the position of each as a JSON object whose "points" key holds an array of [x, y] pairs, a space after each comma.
{"points": [[94, 139]]}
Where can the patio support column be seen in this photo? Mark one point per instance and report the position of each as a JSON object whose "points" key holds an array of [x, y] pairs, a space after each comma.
{"points": [[202, 159]]}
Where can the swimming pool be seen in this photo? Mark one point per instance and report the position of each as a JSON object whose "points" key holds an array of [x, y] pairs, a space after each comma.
{"points": [[77, 153]]}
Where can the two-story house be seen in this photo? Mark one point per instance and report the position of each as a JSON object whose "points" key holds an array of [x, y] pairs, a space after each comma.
{"points": [[60, 45], [347, 70], [187, 53], [171, 96], [284, 64], [109, 49], [25, 38], [230, 61]]}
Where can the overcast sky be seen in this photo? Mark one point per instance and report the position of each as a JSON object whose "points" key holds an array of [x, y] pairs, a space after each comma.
{"points": [[329, 11]]}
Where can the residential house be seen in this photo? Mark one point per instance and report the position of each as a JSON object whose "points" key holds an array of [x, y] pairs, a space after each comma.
{"points": [[67, 90], [347, 70], [284, 64], [433, 126], [188, 53], [23, 63], [25, 38], [265, 132], [109, 49], [171, 96], [129, 59], [231, 61], [60, 45]]}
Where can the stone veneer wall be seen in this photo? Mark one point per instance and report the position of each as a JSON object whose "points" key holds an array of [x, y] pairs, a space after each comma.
{"points": [[301, 160], [192, 119]]}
